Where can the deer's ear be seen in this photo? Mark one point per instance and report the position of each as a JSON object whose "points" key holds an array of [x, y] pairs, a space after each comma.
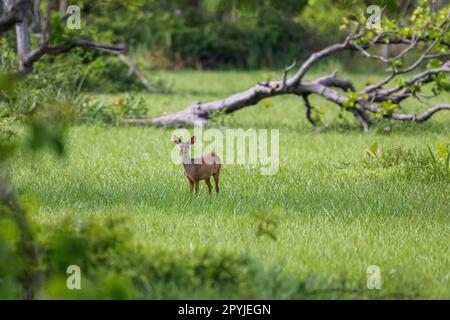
{"points": [[193, 139], [176, 140]]}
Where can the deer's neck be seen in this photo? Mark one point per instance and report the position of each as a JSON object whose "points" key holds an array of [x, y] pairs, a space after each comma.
{"points": [[186, 159]]}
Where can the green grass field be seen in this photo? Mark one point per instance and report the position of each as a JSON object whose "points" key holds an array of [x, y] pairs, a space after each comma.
{"points": [[338, 212]]}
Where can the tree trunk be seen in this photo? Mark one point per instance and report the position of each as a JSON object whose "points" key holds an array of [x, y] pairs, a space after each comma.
{"points": [[23, 44], [22, 38], [63, 6]]}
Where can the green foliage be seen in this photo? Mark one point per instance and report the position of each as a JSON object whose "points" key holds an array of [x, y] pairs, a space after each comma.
{"points": [[422, 22], [442, 150], [387, 108], [324, 16], [17, 245], [7, 148], [52, 88], [9, 243], [350, 102], [317, 114], [441, 84], [250, 35], [268, 41], [375, 151], [7, 84], [108, 74]]}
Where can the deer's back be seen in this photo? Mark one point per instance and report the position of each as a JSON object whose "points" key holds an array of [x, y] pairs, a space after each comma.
{"points": [[203, 167]]}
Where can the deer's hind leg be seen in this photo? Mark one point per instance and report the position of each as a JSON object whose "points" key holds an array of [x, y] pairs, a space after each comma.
{"points": [[216, 181], [196, 186], [208, 183]]}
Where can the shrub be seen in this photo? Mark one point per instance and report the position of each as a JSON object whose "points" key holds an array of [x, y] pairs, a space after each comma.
{"points": [[108, 74]]}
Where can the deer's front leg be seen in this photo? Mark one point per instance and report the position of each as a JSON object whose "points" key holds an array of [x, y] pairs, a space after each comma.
{"points": [[191, 184], [196, 185]]}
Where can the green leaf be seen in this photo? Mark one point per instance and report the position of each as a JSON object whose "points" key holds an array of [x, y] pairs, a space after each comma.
{"points": [[434, 63], [442, 150], [375, 151], [350, 103], [387, 108]]}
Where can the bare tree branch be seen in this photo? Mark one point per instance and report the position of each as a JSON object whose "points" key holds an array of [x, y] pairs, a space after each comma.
{"points": [[87, 44], [286, 71], [421, 117], [134, 70], [411, 47], [361, 119], [308, 109], [422, 76], [320, 55]]}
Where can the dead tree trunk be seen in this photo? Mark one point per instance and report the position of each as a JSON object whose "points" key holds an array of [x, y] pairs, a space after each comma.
{"points": [[23, 45], [22, 38], [63, 5]]}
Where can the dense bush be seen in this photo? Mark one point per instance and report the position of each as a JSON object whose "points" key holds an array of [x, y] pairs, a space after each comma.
{"points": [[203, 34], [227, 34], [107, 74], [272, 41]]}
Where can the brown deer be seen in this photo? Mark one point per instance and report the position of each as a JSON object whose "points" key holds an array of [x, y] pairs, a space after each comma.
{"points": [[201, 168]]}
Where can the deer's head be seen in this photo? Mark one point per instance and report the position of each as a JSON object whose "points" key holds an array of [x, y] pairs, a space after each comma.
{"points": [[184, 146]]}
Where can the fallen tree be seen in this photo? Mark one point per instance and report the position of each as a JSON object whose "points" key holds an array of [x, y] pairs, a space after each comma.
{"points": [[426, 32]]}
